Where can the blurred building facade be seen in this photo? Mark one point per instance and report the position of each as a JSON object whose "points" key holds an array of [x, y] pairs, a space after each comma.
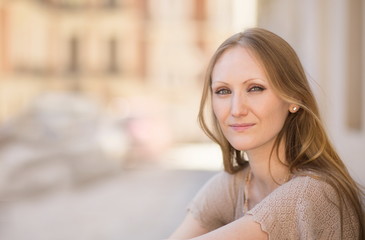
{"points": [[155, 52], [113, 49]]}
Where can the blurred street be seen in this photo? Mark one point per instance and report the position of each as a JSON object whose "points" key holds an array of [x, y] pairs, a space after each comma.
{"points": [[139, 204], [68, 171]]}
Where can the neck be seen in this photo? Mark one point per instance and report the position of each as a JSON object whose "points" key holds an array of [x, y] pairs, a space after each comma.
{"points": [[268, 172]]}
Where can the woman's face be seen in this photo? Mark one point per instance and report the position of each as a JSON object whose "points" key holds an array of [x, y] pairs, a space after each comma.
{"points": [[248, 110]]}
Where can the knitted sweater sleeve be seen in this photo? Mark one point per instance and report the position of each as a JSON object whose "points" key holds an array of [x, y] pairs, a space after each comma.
{"points": [[304, 208], [213, 206]]}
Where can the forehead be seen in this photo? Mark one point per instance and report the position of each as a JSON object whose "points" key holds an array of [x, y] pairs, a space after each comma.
{"points": [[238, 61]]}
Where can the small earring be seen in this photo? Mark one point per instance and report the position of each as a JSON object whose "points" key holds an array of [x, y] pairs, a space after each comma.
{"points": [[294, 109]]}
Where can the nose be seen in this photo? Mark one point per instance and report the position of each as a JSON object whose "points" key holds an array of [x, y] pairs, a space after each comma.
{"points": [[238, 105]]}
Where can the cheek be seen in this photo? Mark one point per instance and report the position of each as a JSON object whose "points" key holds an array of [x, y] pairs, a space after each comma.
{"points": [[220, 109], [277, 116]]}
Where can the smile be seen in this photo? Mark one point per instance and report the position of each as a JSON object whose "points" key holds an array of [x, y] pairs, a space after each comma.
{"points": [[241, 127]]}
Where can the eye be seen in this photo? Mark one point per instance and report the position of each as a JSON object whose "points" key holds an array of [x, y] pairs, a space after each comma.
{"points": [[256, 89], [223, 91]]}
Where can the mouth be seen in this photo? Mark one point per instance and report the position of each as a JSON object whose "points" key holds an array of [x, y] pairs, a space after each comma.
{"points": [[241, 127]]}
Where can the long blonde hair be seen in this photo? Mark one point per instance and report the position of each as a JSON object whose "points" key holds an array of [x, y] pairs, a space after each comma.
{"points": [[307, 146]]}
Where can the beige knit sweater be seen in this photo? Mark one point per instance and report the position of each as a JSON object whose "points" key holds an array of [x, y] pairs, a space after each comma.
{"points": [[303, 208]]}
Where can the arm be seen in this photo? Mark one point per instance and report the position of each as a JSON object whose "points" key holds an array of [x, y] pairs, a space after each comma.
{"points": [[189, 228], [244, 228]]}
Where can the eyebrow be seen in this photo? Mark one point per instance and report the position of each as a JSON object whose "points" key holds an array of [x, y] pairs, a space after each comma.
{"points": [[247, 80]]}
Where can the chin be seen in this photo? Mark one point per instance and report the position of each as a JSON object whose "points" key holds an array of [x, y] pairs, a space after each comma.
{"points": [[241, 147], [242, 143]]}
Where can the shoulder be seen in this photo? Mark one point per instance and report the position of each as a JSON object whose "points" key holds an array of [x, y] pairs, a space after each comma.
{"points": [[315, 189], [304, 188], [221, 186], [308, 192], [229, 177], [223, 181], [214, 205], [311, 186], [307, 205]]}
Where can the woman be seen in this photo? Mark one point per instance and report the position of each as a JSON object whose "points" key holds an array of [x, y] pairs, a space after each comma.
{"points": [[292, 185]]}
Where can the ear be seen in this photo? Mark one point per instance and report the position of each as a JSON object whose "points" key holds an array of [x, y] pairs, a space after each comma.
{"points": [[293, 108]]}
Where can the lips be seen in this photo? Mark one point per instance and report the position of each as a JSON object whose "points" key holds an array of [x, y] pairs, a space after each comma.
{"points": [[239, 127]]}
